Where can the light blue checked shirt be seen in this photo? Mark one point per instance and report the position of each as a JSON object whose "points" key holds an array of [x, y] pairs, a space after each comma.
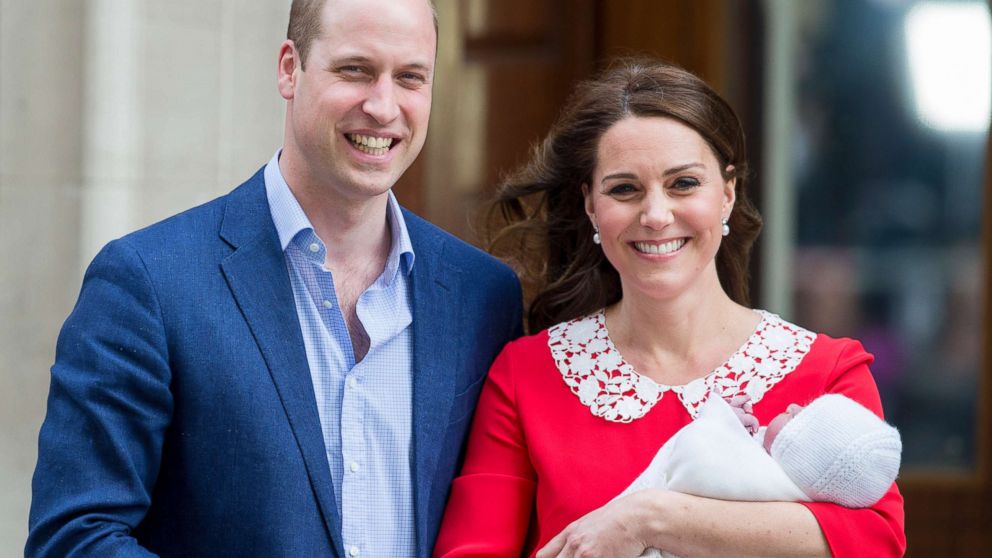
{"points": [[366, 408]]}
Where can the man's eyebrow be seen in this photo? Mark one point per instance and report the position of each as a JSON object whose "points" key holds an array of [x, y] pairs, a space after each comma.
{"points": [[418, 66], [357, 59], [365, 60]]}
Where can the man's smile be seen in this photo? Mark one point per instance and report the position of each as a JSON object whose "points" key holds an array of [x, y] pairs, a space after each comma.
{"points": [[373, 145]]}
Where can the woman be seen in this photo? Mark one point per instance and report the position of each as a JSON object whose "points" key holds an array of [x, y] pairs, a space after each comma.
{"points": [[634, 210]]}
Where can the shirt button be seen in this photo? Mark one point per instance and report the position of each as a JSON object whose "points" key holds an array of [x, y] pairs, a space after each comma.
{"points": [[314, 247], [328, 304], [353, 550], [353, 382], [354, 469]]}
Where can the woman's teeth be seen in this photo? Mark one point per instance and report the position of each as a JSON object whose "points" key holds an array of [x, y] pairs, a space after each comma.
{"points": [[666, 248], [370, 144]]}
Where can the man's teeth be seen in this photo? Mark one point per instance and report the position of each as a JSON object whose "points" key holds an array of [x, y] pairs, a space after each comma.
{"points": [[371, 144], [665, 248]]}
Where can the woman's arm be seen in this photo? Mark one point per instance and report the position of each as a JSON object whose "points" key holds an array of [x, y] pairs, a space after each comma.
{"points": [[489, 509], [691, 526]]}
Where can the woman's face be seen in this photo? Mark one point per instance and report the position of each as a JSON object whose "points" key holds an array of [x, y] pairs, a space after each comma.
{"points": [[659, 199]]}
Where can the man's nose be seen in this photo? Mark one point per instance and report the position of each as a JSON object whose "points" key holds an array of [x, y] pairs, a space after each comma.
{"points": [[381, 101], [656, 212]]}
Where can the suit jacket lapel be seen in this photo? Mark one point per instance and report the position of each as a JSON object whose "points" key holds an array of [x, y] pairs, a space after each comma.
{"points": [[257, 275], [435, 331]]}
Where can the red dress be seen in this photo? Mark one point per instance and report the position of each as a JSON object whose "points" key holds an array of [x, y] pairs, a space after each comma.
{"points": [[564, 425]]}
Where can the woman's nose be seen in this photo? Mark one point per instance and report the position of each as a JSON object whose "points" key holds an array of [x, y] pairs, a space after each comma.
{"points": [[656, 212]]}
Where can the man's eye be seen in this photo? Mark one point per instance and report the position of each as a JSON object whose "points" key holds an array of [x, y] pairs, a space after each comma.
{"points": [[412, 78]]}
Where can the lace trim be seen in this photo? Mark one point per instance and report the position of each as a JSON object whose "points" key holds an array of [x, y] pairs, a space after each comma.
{"points": [[596, 373]]}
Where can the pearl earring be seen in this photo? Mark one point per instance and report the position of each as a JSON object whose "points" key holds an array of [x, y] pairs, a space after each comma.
{"points": [[595, 235], [725, 230]]}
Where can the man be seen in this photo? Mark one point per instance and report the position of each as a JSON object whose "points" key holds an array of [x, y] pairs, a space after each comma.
{"points": [[288, 370]]}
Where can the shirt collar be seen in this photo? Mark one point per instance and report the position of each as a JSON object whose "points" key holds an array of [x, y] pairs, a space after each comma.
{"points": [[290, 219]]}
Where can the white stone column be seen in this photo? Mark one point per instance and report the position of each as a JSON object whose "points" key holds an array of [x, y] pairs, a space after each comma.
{"points": [[779, 233], [113, 141]]}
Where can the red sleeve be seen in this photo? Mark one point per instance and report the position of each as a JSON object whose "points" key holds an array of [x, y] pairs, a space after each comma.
{"points": [[489, 510], [880, 529]]}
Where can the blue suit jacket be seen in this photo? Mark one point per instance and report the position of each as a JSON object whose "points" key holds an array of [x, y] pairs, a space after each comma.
{"points": [[181, 417]]}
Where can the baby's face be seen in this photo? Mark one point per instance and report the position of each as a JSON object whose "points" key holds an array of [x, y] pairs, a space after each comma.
{"points": [[777, 423]]}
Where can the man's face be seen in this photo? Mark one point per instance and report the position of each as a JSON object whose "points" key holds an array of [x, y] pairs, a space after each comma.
{"points": [[357, 116]]}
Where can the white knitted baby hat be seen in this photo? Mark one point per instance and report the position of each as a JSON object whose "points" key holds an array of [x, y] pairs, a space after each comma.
{"points": [[837, 451]]}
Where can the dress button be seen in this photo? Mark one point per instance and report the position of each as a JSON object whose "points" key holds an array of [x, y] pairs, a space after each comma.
{"points": [[328, 304], [354, 469], [353, 550], [314, 247], [353, 382]]}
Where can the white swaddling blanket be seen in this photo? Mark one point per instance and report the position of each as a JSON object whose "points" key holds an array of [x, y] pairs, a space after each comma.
{"points": [[715, 457]]}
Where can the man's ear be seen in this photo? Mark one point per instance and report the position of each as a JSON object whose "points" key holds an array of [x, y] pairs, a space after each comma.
{"points": [[289, 64]]}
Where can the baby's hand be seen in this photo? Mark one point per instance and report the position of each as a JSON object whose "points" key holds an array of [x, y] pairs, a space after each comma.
{"points": [[778, 423], [741, 405]]}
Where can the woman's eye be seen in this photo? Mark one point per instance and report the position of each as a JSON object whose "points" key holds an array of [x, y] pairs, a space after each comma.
{"points": [[621, 189], [685, 183]]}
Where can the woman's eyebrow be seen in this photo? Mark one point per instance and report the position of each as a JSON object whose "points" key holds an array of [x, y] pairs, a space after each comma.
{"points": [[680, 168], [627, 175], [669, 172]]}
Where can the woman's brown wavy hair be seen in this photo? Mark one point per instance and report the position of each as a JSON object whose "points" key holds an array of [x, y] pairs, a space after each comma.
{"points": [[538, 223]]}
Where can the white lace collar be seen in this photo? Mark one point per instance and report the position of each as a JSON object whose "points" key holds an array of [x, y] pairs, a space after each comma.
{"points": [[594, 370]]}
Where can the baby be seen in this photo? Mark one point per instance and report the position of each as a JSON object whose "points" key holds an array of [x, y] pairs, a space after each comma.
{"points": [[832, 450]]}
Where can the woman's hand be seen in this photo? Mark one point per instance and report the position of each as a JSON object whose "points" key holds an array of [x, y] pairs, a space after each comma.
{"points": [[615, 530], [689, 526]]}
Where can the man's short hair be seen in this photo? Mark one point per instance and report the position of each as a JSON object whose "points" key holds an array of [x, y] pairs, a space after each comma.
{"points": [[304, 25]]}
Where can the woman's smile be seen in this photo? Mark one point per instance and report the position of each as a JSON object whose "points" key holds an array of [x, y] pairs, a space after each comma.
{"points": [[662, 248]]}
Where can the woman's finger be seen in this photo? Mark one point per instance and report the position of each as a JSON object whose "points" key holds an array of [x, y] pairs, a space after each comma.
{"points": [[555, 545]]}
